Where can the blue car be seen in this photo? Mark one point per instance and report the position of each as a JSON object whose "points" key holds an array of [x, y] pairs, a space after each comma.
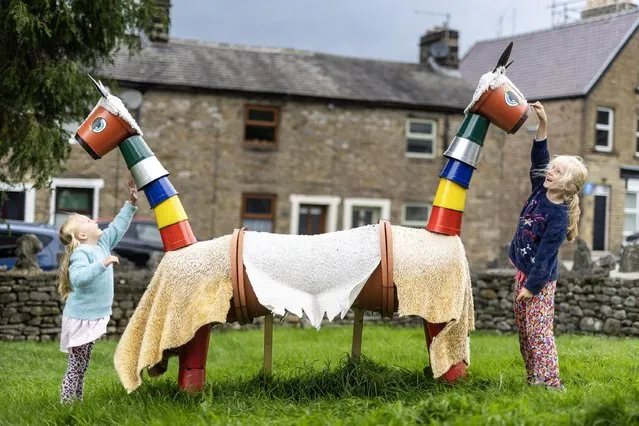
{"points": [[11, 230]]}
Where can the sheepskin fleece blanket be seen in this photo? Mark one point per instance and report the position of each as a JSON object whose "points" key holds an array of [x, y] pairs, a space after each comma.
{"points": [[311, 274], [192, 287], [432, 277]]}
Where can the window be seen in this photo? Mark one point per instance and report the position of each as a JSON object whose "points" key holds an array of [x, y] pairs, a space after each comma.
{"points": [[258, 212], [420, 138], [72, 195], [603, 129], [312, 219], [631, 214], [364, 211], [637, 139], [260, 125], [415, 214], [76, 200], [311, 214], [12, 205], [17, 202]]}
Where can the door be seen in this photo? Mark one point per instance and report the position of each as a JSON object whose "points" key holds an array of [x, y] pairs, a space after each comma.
{"points": [[312, 219], [600, 221]]}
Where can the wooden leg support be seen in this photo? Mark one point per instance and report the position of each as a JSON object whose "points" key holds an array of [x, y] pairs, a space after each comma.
{"points": [[192, 374], [457, 371], [358, 327], [268, 343]]}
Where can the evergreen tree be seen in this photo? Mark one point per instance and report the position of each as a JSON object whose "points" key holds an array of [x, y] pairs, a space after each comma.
{"points": [[46, 49]]}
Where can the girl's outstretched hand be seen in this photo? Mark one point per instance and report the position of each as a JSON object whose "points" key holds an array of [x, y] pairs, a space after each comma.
{"points": [[543, 121], [540, 111], [133, 192]]}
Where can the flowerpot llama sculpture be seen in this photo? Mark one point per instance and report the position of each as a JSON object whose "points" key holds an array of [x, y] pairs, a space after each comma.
{"points": [[239, 277]]}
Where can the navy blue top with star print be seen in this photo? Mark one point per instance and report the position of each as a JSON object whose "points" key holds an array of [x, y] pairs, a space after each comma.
{"points": [[542, 228]]}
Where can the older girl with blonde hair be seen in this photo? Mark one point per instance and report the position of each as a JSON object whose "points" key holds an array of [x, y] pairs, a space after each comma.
{"points": [[550, 216]]}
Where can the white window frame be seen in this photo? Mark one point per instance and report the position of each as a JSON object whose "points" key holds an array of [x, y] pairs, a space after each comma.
{"points": [[421, 136], [383, 203], [95, 184], [637, 136], [607, 127], [332, 203], [414, 222], [29, 198], [632, 186]]}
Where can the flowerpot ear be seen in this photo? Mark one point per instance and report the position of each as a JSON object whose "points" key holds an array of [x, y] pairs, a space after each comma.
{"points": [[503, 59], [98, 85]]}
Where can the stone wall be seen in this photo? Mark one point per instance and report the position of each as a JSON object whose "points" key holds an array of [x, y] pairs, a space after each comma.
{"points": [[30, 308], [582, 304]]}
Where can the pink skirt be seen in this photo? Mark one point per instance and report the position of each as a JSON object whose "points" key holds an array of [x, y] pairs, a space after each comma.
{"points": [[78, 332]]}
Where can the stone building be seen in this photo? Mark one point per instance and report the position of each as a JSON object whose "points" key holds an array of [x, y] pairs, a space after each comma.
{"points": [[587, 75], [295, 141]]}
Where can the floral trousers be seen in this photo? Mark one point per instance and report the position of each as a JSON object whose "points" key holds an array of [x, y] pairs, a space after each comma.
{"points": [[534, 319]]}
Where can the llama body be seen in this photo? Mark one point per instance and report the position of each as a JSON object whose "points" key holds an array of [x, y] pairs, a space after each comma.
{"points": [[419, 272], [429, 271]]}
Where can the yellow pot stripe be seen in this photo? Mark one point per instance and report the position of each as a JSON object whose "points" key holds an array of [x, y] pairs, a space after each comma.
{"points": [[169, 212], [450, 195]]}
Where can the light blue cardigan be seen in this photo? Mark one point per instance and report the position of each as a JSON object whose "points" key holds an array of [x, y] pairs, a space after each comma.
{"points": [[91, 296]]}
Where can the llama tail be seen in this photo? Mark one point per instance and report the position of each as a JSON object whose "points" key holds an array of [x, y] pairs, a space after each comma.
{"points": [[152, 177]]}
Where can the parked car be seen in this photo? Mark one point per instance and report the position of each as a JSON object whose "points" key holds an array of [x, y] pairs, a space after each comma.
{"points": [[11, 230], [631, 239], [141, 240]]}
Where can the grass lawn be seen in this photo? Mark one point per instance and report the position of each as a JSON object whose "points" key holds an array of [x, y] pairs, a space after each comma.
{"points": [[315, 383]]}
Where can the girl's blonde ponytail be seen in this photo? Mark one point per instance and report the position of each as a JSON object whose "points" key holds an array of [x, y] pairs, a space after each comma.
{"points": [[573, 179], [573, 217], [70, 243]]}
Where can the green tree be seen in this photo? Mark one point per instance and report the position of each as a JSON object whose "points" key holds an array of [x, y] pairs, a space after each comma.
{"points": [[46, 49]]}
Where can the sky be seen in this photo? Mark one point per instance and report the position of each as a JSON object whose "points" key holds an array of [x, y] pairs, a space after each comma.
{"points": [[377, 29]]}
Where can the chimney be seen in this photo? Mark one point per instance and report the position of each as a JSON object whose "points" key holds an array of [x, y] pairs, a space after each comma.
{"points": [[605, 7], [160, 21], [442, 45]]}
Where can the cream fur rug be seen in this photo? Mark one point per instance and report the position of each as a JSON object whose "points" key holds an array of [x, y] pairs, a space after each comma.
{"points": [[192, 287], [432, 277], [311, 274]]}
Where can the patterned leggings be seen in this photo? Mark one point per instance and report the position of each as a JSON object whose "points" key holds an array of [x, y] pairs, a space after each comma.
{"points": [[535, 318], [73, 382]]}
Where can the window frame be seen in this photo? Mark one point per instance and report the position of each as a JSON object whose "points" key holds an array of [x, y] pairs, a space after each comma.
{"points": [[349, 203], [420, 136], [606, 127], [263, 196], [255, 143], [95, 184], [637, 136], [29, 198], [632, 187], [332, 205], [414, 223]]}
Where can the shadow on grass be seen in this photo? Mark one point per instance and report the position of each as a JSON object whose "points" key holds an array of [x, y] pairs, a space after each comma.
{"points": [[349, 378]]}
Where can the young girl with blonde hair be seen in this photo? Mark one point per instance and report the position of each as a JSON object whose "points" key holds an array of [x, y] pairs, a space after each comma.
{"points": [[86, 284], [550, 216]]}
